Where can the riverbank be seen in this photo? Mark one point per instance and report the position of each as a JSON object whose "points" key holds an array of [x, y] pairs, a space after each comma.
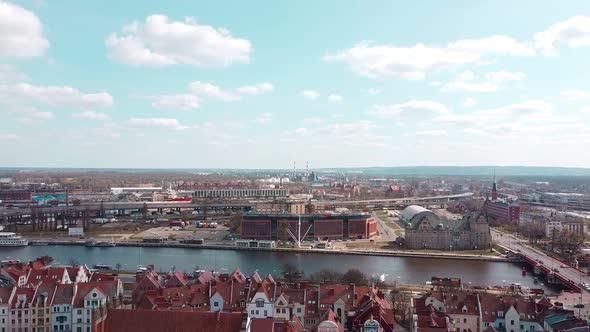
{"points": [[358, 252]]}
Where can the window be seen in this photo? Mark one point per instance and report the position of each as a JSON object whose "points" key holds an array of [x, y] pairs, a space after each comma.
{"points": [[512, 322], [278, 311], [259, 303], [298, 310], [252, 312], [265, 313], [215, 304], [257, 313], [465, 320], [78, 329]]}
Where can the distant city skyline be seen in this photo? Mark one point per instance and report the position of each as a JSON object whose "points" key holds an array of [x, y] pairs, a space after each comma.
{"points": [[260, 84]]}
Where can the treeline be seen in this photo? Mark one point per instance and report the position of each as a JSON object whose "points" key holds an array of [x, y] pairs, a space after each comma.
{"points": [[352, 276]]}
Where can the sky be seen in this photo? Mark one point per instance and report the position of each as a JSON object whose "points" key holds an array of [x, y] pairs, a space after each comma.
{"points": [[263, 84]]}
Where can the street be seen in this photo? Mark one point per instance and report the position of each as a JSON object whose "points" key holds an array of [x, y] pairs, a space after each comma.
{"points": [[521, 246]]}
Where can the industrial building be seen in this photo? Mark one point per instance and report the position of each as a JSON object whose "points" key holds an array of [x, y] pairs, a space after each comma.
{"points": [[426, 230], [502, 212], [313, 226], [571, 201], [15, 196], [240, 193]]}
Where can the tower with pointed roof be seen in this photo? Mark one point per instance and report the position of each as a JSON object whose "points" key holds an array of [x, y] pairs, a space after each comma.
{"points": [[494, 189]]}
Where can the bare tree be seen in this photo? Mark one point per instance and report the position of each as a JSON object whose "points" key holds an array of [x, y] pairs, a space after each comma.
{"points": [[400, 302]]}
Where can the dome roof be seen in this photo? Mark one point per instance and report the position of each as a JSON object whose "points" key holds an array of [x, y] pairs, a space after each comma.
{"points": [[408, 213]]}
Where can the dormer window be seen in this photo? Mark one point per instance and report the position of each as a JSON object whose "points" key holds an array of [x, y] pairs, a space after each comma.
{"points": [[500, 314]]}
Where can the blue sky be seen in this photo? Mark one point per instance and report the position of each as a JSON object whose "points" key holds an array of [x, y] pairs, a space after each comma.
{"points": [[261, 84]]}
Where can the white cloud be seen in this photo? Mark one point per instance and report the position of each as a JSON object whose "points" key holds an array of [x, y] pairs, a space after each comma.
{"points": [[432, 133], [469, 102], [21, 32], [467, 81], [28, 113], [301, 131], [158, 41], [10, 74], [91, 115], [469, 86], [8, 136], [255, 89], [199, 91], [574, 94], [59, 95], [335, 98], [497, 44], [411, 107], [467, 75], [264, 118], [310, 94], [212, 91], [533, 108], [182, 102], [156, 122], [504, 75], [412, 63], [575, 32]]}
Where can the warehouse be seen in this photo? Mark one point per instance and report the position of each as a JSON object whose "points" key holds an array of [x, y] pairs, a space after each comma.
{"points": [[313, 226]]}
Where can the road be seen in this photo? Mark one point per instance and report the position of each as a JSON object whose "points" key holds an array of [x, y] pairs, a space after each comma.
{"points": [[386, 233], [519, 245]]}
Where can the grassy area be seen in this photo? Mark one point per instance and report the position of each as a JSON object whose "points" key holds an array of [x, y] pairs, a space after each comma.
{"points": [[499, 249], [390, 222]]}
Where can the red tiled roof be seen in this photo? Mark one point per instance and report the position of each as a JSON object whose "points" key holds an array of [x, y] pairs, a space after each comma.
{"points": [[203, 277], [47, 289], [125, 320], [176, 279], [256, 277], [48, 274], [5, 293], [262, 325]]}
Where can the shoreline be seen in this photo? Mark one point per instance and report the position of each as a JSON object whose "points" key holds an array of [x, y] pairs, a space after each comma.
{"points": [[357, 252]]}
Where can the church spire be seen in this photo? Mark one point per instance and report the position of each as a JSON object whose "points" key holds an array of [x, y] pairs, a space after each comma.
{"points": [[494, 188]]}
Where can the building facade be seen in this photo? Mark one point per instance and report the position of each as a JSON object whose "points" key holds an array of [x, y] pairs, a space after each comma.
{"points": [[426, 230], [313, 226], [240, 193], [502, 212]]}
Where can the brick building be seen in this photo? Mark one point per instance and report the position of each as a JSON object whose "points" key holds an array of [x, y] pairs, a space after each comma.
{"points": [[317, 226]]}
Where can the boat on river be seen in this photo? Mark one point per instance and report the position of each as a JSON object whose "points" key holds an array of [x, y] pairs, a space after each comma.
{"points": [[9, 239], [95, 243]]}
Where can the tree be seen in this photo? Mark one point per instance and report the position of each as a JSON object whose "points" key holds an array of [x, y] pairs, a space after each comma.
{"points": [[74, 262], [46, 260], [235, 222], [354, 276], [291, 273], [326, 275], [400, 303]]}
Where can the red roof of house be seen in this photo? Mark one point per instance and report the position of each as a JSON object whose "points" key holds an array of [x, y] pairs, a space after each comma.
{"points": [[64, 294], [126, 320], [175, 279], [48, 274], [203, 277], [262, 325], [5, 293]]}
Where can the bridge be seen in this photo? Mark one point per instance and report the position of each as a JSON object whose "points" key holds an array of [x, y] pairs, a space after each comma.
{"points": [[556, 271], [405, 201]]}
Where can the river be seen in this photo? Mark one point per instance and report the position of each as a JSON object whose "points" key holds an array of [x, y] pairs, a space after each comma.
{"points": [[403, 269]]}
